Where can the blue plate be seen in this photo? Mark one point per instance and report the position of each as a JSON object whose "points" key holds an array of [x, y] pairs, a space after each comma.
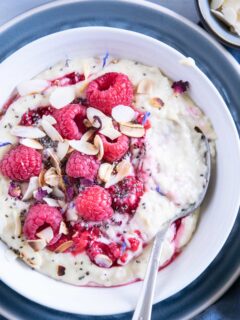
{"points": [[215, 62]]}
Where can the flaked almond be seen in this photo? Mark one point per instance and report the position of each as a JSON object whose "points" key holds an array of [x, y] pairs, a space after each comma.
{"points": [[31, 143], [58, 193], [99, 145], [41, 180], [62, 149], [32, 186], [51, 177], [87, 135], [62, 96], [103, 260], [27, 132], [84, 147], [64, 246], [46, 234], [93, 114], [63, 205], [32, 86], [54, 160], [37, 245], [105, 171], [51, 202], [86, 68], [145, 86], [53, 134], [123, 113], [87, 123], [156, 102], [48, 189], [71, 214], [124, 168], [230, 15], [63, 228], [50, 119], [110, 132], [132, 130]]}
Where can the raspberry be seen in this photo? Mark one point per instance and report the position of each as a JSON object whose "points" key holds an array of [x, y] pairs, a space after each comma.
{"points": [[94, 204], [39, 217], [126, 194], [82, 166], [68, 79], [115, 150], [70, 121], [111, 250], [109, 90], [21, 163], [33, 116]]}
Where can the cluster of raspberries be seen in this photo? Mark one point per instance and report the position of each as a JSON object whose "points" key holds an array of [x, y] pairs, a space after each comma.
{"points": [[94, 203]]}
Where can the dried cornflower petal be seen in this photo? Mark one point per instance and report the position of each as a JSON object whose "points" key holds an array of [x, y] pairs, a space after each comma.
{"points": [[180, 87], [15, 190]]}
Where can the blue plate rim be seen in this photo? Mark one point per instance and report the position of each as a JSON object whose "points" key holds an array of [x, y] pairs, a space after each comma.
{"points": [[161, 9]]}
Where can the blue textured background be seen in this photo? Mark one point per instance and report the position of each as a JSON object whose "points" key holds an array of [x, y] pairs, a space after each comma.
{"points": [[228, 307]]}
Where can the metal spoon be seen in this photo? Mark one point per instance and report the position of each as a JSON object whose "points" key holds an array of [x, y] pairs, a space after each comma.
{"points": [[144, 305]]}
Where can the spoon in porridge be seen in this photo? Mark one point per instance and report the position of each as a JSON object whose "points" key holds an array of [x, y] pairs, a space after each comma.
{"points": [[144, 305]]}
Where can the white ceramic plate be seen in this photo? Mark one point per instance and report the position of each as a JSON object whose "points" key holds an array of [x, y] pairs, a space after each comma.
{"points": [[221, 206]]}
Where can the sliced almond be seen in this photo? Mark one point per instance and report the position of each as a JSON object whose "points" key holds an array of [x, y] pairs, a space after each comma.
{"points": [[124, 168], [156, 102], [87, 123], [132, 130], [51, 202], [62, 149], [103, 260], [86, 68], [50, 119], [64, 246], [55, 161], [145, 86], [58, 193], [53, 134], [46, 188], [123, 113], [37, 245], [27, 132], [32, 86], [71, 214], [62, 96], [31, 143], [63, 228], [87, 135], [111, 133], [84, 147], [99, 145], [92, 113], [51, 177], [105, 171], [46, 234], [41, 180], [32, 186]]}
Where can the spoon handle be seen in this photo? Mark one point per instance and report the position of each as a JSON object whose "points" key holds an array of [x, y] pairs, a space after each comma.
{"points": [[143, 309]]}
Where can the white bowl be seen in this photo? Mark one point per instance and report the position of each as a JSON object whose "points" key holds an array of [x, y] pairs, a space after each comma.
{"points": [[223, 202]]}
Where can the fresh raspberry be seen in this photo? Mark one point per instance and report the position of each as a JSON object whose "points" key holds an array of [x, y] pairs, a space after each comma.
{"points": [[126, 194], [115, 150], [82, 166], [21, 163], [94, 204], [68, 79], [39, 217], [110, 90], [96, 248], [142, 118], [70, 121], [33, 116]]}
